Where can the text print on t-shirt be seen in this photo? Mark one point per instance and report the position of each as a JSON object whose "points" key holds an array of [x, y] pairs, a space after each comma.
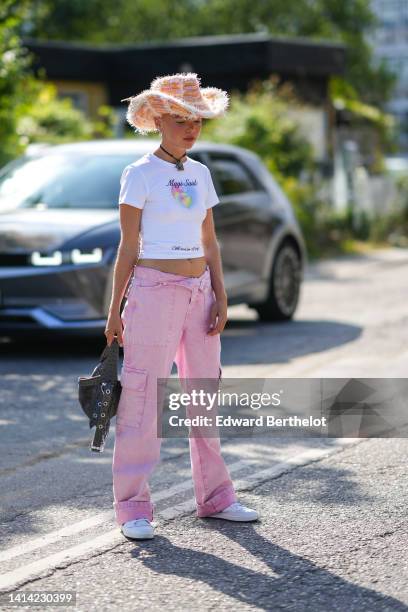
{"points": [[183, 192]]}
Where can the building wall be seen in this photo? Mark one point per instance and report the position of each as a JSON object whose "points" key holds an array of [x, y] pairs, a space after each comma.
{"points": [[313, 124], [390, 43], [85, 96]]}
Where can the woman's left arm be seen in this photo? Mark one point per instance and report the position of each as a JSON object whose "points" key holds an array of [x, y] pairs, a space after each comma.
{"points": [[212, 254]]}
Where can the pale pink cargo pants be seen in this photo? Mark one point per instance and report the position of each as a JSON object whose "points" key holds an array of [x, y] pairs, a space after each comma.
{"points": [[166, 317]]}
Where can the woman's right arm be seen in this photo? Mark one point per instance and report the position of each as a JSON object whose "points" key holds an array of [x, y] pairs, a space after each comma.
{"points": [[127, 256]]}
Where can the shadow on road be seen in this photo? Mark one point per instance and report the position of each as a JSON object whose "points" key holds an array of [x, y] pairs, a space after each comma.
{"points": [[293, 582], [243, 342]]}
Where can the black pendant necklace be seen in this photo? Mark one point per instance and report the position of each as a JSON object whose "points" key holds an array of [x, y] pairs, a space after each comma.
{"points": [[179, 163]]}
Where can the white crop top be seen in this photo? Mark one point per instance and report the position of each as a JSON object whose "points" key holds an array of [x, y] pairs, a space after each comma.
{"points": [[174, 204]]}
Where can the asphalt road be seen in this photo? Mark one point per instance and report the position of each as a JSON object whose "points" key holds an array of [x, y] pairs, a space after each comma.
{"points": [[332, 533]]}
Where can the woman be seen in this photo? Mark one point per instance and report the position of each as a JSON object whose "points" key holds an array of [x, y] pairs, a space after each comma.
{"points": [[176, 304]]}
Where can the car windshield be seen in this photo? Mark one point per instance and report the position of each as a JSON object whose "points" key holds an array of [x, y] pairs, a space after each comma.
{"points": [[61, 180]]}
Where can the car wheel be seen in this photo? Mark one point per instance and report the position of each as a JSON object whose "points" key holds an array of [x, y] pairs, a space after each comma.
{"points": [[284, 286]]}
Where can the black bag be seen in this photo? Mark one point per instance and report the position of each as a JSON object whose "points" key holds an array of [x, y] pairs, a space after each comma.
{"points": [[99, 394]]}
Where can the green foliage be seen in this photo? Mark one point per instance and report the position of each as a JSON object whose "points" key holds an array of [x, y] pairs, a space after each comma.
{"points": [[53, 120], [393, 227], [105, 125], [258, 120], [16, 85], [345, 97], [29, 108], [323, 228], [329, 232]]}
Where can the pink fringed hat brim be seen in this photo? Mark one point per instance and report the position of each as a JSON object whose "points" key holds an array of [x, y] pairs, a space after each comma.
{"points": [[206, 102]]}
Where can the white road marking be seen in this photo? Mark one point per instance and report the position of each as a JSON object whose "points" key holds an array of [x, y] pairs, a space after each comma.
{"points": [[54, 536], [21, 574]]}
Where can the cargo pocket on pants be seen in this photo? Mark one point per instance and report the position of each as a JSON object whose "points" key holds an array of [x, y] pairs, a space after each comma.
{"points": [[133, 397]]}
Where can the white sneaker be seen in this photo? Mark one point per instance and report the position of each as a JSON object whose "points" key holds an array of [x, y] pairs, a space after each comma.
{"points": [[138, 529], [236, 512]]}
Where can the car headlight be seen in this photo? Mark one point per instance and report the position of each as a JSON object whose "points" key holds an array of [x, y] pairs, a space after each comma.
{"points": [[94, 256], [76, 256]]}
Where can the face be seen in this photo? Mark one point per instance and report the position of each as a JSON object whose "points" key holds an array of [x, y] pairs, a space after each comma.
{"points": [[177, 131]]}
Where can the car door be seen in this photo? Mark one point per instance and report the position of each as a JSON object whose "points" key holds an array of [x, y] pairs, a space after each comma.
{"points": [[242, 221]]}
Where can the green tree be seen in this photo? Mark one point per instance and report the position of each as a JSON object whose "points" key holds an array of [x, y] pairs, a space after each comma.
{"points": [[30, 110], [258, 120], [17, 87], [52, 120]]}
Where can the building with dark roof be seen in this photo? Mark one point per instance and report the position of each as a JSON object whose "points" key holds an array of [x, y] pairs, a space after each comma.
{"points": [[94, 75]]}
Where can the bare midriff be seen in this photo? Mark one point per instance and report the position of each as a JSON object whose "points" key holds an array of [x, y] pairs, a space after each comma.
{"points": [[195, 266]]}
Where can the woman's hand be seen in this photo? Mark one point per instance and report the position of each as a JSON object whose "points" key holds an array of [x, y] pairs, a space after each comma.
{"points": [[114, 328], [218, 311]]}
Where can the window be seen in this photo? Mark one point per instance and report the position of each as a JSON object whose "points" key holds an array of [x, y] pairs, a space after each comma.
{"points": [[79, 99], [232, 176], [63, 180]]}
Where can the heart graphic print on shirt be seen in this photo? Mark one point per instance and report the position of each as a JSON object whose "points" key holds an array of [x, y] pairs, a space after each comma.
{"points": [[183, 192]]}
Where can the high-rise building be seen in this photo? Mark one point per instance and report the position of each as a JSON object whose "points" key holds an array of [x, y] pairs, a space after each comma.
{"points": [[390, 43]]}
